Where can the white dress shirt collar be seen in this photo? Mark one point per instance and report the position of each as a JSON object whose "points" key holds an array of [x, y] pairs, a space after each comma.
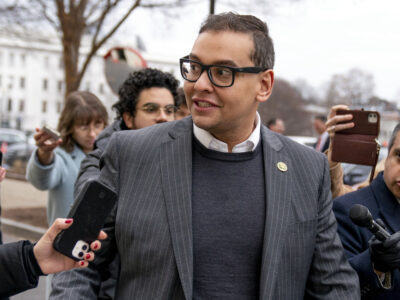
{"points": [[210, 142]]}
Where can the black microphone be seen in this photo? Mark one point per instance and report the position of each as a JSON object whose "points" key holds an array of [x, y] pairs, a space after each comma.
{"points": [[361, 216]]}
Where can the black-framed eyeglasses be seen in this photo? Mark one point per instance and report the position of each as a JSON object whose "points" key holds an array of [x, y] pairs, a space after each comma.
{"points": [[221, 76]]}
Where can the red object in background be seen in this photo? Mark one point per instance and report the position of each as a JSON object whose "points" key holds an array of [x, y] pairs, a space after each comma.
{"points": [[4, 147]]}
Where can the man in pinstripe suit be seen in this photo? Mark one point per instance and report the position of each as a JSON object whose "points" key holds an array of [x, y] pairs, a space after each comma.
{"points": [[216, 206]]}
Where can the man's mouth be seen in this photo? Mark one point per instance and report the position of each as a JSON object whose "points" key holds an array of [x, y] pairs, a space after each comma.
{"points": [[204, 104]]}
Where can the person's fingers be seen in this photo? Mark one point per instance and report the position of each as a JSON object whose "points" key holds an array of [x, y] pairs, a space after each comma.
{"points": [[393, 239], [41, 139], [95, 246], [380, 222], [81, 264], [89, 256], [335, 108], [58, 225], [338, 119], [339, 127], [102, 235]]}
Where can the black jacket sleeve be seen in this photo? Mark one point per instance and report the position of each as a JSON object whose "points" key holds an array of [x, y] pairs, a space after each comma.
{"points": [[19, 268]]}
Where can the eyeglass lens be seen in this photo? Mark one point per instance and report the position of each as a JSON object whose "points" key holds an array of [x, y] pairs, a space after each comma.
{"points": [[219, 75], [153, 108]]}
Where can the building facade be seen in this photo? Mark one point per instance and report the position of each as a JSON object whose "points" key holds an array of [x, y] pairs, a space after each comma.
{"points": [[32, 79]]}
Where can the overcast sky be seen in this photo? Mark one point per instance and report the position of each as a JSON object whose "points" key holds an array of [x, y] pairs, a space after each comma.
{"points": [[314, 39]]}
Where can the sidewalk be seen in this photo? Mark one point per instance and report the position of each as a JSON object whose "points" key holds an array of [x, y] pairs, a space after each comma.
{"points": [[23, 208]]}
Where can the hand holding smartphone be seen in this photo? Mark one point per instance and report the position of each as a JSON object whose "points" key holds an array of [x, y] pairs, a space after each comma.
{"points": [[359, 144], [54, 134], [90, 210]]}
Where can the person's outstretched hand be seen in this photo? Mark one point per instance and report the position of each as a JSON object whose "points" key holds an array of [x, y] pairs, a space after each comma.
{"points": [[52, 261], [46, 144]]}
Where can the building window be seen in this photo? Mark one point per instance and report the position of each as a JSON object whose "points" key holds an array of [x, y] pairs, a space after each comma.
{"points": [[9, 104], [11, 59], [59, 107], [0, 80], [21, 105], [22, 82], [1, 58], [10, 82], [101, 88], [44, 106], [23, 59], [60, 85], [45, 84], [46, 61], [61, 63], [88, 86]]}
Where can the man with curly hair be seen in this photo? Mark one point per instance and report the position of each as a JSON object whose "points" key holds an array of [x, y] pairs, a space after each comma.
{"points": [[146, 97]]}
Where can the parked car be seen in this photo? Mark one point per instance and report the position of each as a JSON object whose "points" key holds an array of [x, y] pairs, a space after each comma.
{"points": [[305, 140], [20, 151], [11, 136], [353, 174]]}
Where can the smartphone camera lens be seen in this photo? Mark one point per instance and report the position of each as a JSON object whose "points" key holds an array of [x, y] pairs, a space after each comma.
{"points": [[84, 247], [80, 254]]}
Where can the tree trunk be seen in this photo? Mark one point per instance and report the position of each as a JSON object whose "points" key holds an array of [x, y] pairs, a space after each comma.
{"points": [[72, 25], [71, 43]]}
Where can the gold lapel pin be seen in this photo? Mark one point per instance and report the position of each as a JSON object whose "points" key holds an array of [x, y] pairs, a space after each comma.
{"points": [[281, 166]]}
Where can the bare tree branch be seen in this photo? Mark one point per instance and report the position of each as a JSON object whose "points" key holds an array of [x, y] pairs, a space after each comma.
{"points": [[95, 47], [92, 10], [44, 9], [100, 21]]}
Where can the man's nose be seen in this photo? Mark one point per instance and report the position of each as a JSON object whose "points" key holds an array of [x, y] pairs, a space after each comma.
{"points": [[203, 83], [162, 116]]}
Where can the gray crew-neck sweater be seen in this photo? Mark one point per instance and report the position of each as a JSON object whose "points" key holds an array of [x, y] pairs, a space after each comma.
{"points": [[228, 206]]}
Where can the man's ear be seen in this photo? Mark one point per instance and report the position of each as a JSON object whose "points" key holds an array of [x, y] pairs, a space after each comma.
{"points": [[128, 120], [267, 81]]}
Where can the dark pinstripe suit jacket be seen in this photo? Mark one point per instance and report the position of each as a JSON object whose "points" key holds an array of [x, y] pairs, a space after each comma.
{"points": [[151, 171]]}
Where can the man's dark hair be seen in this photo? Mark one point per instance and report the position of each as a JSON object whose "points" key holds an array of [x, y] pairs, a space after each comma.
{"points": [[321, 118], [271, 122], [180, 99], [393, 136], [263, 54], [141, 80]]}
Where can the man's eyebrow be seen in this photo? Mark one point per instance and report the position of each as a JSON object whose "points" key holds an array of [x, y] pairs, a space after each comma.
{"points": [[227, 62]]}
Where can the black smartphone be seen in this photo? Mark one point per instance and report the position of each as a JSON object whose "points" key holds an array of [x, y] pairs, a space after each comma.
{"points": [[1, 158], [90, 210]]}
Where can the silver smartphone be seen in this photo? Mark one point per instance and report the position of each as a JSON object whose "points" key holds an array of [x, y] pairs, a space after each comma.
{"points": [[54, 134]]}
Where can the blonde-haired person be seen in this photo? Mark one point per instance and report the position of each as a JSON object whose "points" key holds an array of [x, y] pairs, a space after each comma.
{"points": [[54, 165]]}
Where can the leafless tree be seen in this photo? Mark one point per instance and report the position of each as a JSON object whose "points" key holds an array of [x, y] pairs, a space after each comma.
{"points": [[355, 87], [287, 103], [72, 19]]}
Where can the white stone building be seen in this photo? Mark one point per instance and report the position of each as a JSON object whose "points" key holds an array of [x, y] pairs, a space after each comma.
{"points": [[32, 79]]}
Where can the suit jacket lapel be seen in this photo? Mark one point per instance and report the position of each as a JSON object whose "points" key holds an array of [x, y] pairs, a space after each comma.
{"points": [[176, 176], [387, 204], [278, 199]]}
